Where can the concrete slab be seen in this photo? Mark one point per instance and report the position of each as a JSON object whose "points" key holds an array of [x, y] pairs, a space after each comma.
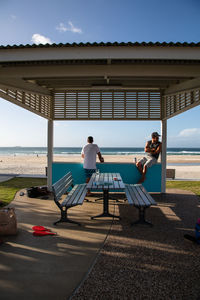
{"points": [[49, 267], [5, 177]]}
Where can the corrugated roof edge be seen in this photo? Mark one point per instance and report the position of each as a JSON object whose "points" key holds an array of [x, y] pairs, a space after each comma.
{"points": [[102, 44]]}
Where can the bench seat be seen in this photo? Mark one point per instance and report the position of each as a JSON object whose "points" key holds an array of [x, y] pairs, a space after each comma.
{"points": [[141, 199], [64, 199]]}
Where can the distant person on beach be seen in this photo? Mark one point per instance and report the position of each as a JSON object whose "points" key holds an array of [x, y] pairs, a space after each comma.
{"points": [[89, 153], [153, 149]]}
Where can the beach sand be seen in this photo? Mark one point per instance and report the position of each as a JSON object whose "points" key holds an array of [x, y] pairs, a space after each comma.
{"points": [[33, 164]]}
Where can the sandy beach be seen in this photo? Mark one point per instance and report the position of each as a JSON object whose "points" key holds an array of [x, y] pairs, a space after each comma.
{"points": [[33, 164]]}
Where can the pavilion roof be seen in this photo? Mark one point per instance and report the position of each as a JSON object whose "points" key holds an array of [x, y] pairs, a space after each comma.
{"points": [[102, 81], [104, 44]]}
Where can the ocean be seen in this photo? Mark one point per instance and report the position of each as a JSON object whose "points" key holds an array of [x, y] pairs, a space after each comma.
{"points": [[62, 151]]}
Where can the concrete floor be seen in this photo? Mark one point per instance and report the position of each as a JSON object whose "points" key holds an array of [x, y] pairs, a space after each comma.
{"points": [[50, 267], [5, 177]]}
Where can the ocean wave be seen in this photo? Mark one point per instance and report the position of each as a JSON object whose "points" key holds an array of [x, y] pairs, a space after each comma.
{"points": [[121, 153], [183, 153], [72, 151]]}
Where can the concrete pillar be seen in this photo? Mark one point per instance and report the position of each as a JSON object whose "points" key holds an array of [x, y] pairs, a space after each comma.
{"points": [[163, 155], [50, 154]]}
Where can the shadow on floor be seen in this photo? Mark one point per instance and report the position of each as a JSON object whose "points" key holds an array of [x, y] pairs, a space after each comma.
{"points": [[141, 262]]}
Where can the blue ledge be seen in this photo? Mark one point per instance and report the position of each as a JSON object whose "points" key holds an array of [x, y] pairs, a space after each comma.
{"points": [[128, 171]]}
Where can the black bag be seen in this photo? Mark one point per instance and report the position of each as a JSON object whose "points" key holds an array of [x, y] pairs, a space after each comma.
{"points": [[36, 191]]}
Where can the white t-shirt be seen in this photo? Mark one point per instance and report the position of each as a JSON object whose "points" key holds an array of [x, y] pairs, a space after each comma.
{"points": [[90, 153]]}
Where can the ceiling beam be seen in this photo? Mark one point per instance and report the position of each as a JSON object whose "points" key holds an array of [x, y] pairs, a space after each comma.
{"points": [[107, 88], [179, 71], [183, 86]]}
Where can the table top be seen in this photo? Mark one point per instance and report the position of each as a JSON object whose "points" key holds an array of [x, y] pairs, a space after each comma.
{"points": [[103, 181]]}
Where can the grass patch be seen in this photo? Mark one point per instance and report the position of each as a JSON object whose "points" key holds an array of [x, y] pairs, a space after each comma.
{"points": [[193, 186], [9, 188]]}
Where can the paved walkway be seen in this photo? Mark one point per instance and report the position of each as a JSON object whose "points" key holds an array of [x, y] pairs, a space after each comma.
{"points": [[52, 267], [5, 177], [142, 262], [49, 267]]}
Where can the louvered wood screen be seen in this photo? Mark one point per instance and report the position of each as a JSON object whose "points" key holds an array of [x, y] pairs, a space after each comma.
{"points": [[107, 105], [39, 104], [180, 102]]}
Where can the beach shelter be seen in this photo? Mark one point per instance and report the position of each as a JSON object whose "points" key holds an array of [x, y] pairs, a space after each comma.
{"points": [[102, 81]]}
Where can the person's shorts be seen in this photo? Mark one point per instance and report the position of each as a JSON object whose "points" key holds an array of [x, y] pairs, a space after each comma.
{"points": [[148, 161], [89, 172]]}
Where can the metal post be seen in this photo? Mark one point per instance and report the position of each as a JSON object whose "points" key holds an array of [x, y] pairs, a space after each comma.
{"points": [[50, 154], [163, 155]]}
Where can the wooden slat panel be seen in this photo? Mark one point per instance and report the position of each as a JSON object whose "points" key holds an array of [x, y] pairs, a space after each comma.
{"points": [[61, 186], [35, 103], [181, 101], [137, 195], [107, 105], [76, 196], [133, 196]]}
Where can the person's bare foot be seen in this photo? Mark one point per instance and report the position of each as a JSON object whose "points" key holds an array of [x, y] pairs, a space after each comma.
{"points": [[140, 181]]}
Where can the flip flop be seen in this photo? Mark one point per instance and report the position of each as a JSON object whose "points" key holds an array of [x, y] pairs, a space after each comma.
{"points": [[43, 233], [40, 228]]}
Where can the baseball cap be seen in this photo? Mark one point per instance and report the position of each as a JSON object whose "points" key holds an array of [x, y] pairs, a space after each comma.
{"points": [[155, 134]]}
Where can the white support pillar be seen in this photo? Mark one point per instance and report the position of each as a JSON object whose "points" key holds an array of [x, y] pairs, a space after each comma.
{"points": [[163, 155], [50, 154]]}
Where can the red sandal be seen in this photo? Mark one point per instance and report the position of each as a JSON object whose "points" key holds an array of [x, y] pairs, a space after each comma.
{"points": [[40, 228], [43, 233]]}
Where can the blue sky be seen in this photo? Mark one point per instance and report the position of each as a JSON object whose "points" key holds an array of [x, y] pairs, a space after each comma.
{"points": [[62, 21]]}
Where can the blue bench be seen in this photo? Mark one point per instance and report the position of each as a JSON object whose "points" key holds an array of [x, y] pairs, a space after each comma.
{"points": [[75, 196], [141, 199]]}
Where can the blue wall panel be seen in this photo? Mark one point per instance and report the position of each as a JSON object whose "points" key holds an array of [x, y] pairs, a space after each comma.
{"points": [[128, 171]]}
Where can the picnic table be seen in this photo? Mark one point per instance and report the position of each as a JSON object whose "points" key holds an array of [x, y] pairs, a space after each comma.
{"points": [[105, 182]]}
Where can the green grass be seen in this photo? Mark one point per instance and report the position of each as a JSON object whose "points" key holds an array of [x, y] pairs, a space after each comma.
{"points": [[193, 186], [10, 187]]}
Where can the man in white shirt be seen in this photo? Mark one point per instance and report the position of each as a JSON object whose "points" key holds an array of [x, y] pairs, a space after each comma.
{"points": [[89, 153]]}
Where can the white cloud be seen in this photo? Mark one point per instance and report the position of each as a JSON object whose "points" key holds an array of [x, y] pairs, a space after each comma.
{"points": [[13, 17], [63, 28], [40, 39], [189, 132]]}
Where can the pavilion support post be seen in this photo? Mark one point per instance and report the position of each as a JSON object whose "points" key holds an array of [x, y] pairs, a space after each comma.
{"points": [[163, 155], [50, 154]]}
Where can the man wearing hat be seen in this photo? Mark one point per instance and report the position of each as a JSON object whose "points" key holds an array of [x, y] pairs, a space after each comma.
{"points": [[153, 149]]}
